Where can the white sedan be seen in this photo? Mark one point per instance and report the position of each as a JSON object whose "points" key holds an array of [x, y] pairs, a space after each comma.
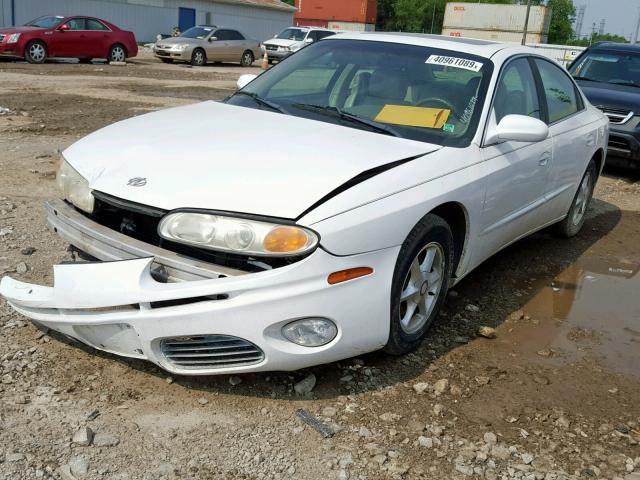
{"points": [[388, 167]]}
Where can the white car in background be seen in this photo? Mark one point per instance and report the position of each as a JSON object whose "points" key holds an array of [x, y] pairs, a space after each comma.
{"points": [[415, 158], [292, 39]]}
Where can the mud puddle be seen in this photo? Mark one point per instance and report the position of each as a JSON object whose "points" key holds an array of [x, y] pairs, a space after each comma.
{"points": [[592, 308]]}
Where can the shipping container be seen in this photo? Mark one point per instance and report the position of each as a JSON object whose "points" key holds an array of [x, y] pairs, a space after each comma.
{"points": [[356, 11], [563, 54], [352, 26], [310, 22], [461, 18], [494, 35]]}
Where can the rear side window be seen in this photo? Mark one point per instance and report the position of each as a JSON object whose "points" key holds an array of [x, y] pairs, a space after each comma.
{"points": [[517, 93], [234, 35], [562, 97], [93, 24]]}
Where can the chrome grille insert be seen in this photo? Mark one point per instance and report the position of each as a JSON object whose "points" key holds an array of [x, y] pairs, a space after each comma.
{"points": [[210, 351], [2, 37], [617, 116]]}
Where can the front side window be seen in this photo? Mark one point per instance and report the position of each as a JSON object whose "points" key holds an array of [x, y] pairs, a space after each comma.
{"points": [[45, 22], [76, 24], [296, 34], [223, 35], [562, 97], [619, 68], [197, 32], [516, 92], [235, 35], [410, 91]]}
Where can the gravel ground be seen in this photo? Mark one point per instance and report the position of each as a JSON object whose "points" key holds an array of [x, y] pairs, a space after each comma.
{"points": [[532, 371]]}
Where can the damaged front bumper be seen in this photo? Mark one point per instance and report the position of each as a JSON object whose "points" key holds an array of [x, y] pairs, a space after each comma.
{"points": [[225, 321]]}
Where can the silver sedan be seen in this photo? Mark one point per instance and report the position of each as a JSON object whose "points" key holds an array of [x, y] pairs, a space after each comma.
{"points": [[208, 43]]}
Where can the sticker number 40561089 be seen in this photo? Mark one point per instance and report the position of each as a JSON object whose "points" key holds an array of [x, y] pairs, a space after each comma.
{"points": [[454, 62]]}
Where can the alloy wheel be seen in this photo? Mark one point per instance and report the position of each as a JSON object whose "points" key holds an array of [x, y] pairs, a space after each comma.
{"points": [[247, 59], [421, 287], [582, 199], [117, 54], [37, 52]]}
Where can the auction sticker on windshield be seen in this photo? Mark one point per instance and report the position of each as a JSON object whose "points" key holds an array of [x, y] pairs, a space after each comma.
{"points": [[454, 62]]}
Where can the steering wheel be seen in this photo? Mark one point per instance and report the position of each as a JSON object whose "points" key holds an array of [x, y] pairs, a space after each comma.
{"points": [[429, 102]]}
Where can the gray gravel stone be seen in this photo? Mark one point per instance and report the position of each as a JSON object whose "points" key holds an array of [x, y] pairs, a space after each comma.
{"points": [[83, 437], [306, 385]]}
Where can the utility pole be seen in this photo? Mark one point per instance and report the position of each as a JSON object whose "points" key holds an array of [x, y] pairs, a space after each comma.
{"points": [[526, 23], [634, 37], [433, 16]]}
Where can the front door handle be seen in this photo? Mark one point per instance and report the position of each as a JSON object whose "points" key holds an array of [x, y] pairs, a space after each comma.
{"points": [[544, 158]]}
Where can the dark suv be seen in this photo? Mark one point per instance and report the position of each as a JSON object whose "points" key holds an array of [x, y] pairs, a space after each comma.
{"points": [[609, 75]]}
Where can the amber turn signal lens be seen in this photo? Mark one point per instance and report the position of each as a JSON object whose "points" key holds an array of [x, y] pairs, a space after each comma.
{"points": [[285, 240], [349, 274]]}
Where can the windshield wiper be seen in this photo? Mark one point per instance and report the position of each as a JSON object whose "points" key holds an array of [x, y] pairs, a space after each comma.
{"points": [[585, 79], [628, 83], [335, 111], [258, 99]]}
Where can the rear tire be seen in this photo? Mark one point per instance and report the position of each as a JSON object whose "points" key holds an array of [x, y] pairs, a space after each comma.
{"points": [[420, 283], [117, 53], [198, 58], [35, 52], [573, 222], [247, 59]]}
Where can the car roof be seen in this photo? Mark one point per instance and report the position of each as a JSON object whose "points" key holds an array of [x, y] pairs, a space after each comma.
{"points": [[207, 26], [620, 47], [483, 48]]}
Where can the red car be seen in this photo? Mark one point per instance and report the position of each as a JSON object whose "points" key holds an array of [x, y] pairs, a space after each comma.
{"points": [[81, 37]]}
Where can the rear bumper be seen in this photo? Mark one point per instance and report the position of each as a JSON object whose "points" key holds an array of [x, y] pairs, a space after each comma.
{"points": [[118, 307]]}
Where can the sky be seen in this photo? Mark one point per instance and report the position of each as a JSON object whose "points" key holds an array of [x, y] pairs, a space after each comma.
{"points": [[620, 15]]}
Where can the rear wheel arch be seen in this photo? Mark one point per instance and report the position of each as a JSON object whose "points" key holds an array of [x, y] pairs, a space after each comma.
{"points": [[456, 216], [113, 47]]}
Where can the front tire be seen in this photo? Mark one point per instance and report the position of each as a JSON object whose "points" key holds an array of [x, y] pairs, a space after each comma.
{"points": [[36, 52], [573, 222], [247, 59], [420, 283], [117, 53], [198, 58]]}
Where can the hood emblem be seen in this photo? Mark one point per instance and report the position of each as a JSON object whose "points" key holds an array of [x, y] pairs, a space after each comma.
{"points": [[137, 182]]}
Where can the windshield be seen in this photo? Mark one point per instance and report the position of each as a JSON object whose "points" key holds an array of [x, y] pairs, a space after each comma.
{"points": [[45, 22], [621, 68], [197, 32], [292, 34], [413, 92]]}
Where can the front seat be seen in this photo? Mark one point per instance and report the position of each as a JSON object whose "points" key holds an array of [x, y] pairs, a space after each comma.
{"points": [[358, 89]]}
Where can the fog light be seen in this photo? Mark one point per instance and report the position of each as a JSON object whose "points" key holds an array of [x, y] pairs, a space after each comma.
{"points": [[310, 332]]}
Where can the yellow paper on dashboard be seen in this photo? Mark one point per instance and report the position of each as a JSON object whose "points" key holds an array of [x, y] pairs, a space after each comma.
{"points": [[425, 117]]}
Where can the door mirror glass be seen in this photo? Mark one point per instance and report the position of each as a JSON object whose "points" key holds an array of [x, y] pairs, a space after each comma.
{"points": [[64, 27], [244, 80], [213, 39], [308, 40], [518, 128]]}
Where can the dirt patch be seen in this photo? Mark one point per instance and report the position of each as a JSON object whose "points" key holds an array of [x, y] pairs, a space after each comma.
{"points": [[554, 395]]}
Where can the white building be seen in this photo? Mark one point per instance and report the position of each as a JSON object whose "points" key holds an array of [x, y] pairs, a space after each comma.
{"points": [[258, 19]]}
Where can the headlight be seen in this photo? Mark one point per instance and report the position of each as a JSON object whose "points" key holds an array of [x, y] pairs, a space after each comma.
{"points": [[74, 187], [180, 47], [310, 332], [230, 234], [13, 38]]}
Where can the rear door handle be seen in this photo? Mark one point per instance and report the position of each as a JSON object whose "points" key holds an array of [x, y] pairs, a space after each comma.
{"points": [[544, 158]]}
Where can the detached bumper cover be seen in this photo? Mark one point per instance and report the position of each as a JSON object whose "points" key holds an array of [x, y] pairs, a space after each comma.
{"points": [[118, 307]]}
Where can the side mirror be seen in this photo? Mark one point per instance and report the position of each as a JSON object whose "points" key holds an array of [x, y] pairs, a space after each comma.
{"points": [[213, 39], [244, 80], [64, 27], [308, 40], [517, 128]]}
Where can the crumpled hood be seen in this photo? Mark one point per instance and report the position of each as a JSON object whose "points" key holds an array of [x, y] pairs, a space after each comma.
{"points": [[217, 156]]}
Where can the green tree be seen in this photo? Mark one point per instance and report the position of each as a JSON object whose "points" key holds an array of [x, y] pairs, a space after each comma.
{"points": [[607, 37], [563, 13], [290, 2]]}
